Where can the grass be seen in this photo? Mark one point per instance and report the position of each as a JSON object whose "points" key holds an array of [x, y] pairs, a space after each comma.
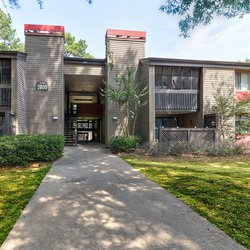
{"points": [[218, 189], [17, 185]]}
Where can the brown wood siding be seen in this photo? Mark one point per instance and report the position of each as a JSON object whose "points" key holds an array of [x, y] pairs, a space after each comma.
{"points": [[213, 79], [124, 53], [45, 63], [74, 69], [142, 128], [21, 115]]}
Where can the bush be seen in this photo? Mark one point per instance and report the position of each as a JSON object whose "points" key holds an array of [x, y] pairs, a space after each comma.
{"points": [[179, 148], [175, 148], [124, 144], [21, 149], [226, 149]]}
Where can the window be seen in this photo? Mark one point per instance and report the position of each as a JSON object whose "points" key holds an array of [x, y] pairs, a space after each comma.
{"points": [[195, 78], [5, 71], [242, 81], [210, 121], [158, 77], [167, 77], [177, 75], [186, 79], [176, 78], [1, 120]]}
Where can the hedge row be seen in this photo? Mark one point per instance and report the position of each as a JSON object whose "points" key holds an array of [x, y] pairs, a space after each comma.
{"points": [[21, 149]]}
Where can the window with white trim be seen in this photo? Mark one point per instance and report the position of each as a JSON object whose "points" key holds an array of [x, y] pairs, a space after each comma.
{"points": [[242, 81]]}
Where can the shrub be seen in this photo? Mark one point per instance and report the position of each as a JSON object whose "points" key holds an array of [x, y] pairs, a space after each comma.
{"points": [[174, 148], [226, 149], [124, 143], [21, 149]]}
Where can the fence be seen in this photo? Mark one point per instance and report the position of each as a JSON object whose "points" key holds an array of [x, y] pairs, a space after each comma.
{"points": [[197, 136]]}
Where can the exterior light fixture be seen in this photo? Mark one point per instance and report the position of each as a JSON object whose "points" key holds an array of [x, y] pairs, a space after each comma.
{"points": [[55, 118]]}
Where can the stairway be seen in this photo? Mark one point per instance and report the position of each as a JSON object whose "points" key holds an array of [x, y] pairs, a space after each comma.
{"points": [[69, 133]]}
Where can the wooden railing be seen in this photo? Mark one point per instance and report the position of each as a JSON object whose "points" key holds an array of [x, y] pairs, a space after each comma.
{"points": [[182, 100], [5, 97], [197, 136]]}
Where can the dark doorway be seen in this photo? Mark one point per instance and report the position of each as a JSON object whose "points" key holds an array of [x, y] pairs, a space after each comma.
{"points": [[88, 130]]}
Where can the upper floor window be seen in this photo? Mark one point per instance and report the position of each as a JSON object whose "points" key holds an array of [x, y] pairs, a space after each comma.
{"points": [[5, 71], [242, 81], [176, 77]]}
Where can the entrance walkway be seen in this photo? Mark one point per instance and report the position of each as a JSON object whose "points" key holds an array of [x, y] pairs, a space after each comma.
{"points": [[91, 199]]}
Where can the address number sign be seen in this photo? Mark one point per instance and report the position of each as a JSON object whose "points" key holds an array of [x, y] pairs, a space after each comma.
{"points": [[42, 86]]}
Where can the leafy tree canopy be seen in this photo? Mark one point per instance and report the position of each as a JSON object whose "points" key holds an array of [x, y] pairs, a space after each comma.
{"points": [[16, 4], [75, 48], [8, 40], [202, 12], [195, 12]]}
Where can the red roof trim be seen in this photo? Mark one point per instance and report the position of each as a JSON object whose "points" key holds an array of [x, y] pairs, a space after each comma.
{"points": [[112, 33], [49, 30]]}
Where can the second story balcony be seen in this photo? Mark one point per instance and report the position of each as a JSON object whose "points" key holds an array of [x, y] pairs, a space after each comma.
{"points": [[176, 100], [176, 88]]}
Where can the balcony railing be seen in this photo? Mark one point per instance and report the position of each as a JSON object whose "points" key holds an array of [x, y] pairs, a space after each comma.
{"points": [[176, 100], [5, 97]]}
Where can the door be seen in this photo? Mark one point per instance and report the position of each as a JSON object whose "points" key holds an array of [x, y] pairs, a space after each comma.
{"points": [[88, 130]]}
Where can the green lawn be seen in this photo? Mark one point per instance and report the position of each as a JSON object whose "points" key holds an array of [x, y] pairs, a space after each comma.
{"points": [[17, 185], [218, 189]]}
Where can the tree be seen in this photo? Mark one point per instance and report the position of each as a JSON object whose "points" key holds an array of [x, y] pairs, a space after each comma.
{"points": [[202, 12], [8, 39], [127, 96], [75, 48], [16, 4], [194, 12], [226, 107]]}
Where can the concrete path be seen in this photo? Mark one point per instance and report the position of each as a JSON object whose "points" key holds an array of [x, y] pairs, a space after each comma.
{"points": [[91, 199]]}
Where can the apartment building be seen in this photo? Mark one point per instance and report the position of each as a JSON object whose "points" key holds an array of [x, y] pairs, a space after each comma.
{"points": [[43, 92]]}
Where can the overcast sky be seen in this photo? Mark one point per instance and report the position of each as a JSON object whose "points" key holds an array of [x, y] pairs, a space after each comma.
{"points": [[225, 40]]}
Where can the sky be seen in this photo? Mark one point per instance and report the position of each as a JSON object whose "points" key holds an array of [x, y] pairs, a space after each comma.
{"points": [[222, 40]]}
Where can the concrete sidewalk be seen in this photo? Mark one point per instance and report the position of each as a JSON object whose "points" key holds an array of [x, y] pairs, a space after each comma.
{"points": [[91, 199]]}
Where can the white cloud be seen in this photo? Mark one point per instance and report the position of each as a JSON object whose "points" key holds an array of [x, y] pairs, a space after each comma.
{"points": [[223, 39]]}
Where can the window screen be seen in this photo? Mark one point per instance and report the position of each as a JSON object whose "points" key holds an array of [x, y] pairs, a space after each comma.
{"points": [[177, 75], [186, 79], [5, 71]]}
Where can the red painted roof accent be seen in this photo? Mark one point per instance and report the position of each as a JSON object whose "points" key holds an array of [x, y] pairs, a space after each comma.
{"points": [[242, 95], [48, 30], [112, 33]]}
